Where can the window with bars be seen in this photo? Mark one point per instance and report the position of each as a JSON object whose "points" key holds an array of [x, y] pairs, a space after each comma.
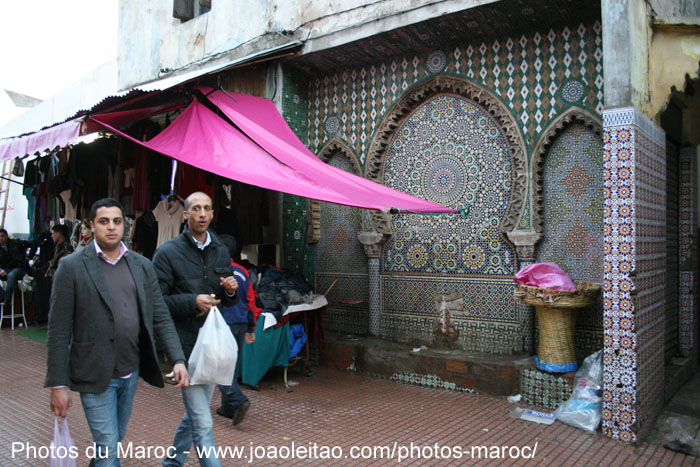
{"points": [[185, 10]]}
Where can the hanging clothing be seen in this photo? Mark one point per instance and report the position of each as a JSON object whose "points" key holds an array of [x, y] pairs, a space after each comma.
{"points": [[70, 209], [190, 179], [141, 184], [28, 193], [145, 238], [247, 205], [224, 216], [129, 178], [160, 169], [169, 220]]}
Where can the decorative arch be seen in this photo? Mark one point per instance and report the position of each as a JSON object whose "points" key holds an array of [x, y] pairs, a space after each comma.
{"points": [[337, 147], [414, 97], [333, 148], [539, 156]]}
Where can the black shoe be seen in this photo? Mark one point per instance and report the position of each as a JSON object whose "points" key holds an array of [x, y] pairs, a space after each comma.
{"points": [[240, 412], [224, 413]]}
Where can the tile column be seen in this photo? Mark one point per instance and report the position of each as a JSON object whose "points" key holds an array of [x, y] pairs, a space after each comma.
{"points": [[634, 273], [372, 242], [687, 257], [525, 243]]}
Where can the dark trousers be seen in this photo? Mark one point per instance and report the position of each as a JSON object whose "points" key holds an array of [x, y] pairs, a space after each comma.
{"points": [[13, 276], [231, 396]]}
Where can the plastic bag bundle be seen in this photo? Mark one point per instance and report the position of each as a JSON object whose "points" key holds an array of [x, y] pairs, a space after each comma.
{"points": [[63, 451], [583, 409], [546, 276], [213, 358]]}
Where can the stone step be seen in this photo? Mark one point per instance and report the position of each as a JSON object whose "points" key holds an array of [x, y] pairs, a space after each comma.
{"points": [[493, 374]]}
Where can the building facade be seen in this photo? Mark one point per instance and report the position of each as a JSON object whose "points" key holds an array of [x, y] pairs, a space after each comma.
{"points": [[562, 132]]}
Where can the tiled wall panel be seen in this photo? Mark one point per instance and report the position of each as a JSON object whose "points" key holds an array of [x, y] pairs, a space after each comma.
{"points": [[634, 273]]}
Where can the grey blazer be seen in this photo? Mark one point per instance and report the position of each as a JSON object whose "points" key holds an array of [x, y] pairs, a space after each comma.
{"points": [[81, 351]]}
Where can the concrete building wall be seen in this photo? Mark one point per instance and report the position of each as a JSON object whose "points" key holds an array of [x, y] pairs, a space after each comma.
{"points": [[675, 8], [153, 43], [673, 55], [648, 48]]}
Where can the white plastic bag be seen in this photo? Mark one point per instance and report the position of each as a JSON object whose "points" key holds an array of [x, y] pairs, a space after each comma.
{"points": [[678, 433], [584, 409], [213, 358], [63, 451]]}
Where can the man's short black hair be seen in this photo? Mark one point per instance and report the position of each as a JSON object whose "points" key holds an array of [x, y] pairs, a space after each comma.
{"points": [[105, 203], [62, 229], [4, 231]]}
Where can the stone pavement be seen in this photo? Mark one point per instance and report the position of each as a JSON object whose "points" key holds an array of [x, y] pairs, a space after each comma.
{"points": [[331, 413]]}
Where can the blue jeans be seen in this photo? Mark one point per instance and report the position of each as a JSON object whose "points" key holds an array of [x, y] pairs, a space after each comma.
{"points": [[231, 396], [195, 427], [13, 275], [107, 414]]}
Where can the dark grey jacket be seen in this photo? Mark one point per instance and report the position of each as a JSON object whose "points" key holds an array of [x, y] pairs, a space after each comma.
{"points": [[81, 352], [184, 271]]}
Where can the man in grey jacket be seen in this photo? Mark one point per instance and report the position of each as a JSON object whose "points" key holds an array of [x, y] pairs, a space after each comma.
{"points": [[106, 312], [191, 268]]}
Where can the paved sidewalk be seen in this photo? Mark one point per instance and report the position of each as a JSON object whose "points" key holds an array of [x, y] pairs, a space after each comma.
{"points": [[331, 409]]}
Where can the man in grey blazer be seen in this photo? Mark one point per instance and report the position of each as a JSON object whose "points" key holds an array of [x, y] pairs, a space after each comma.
{"points": [[106, 312]]}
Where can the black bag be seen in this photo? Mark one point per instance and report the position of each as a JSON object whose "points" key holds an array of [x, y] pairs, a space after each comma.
{"points": [[18, 169]]}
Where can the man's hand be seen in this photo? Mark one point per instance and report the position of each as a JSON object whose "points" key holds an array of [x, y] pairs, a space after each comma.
{"points": [[249, 337], [182, 378], [204, 303], [230, 284], [61, 401], [3, 273]]}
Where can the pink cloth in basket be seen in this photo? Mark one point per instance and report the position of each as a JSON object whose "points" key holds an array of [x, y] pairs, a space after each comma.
{"points": [[545, 275]]}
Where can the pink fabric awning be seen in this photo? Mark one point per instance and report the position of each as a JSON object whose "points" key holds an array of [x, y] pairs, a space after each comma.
{"points": [[59, 135], [200, 138], [126, 117], [67, 133], [259, 119]]}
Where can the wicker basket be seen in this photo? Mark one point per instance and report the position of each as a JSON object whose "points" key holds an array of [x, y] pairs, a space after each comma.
{"points": [[556, 319]]}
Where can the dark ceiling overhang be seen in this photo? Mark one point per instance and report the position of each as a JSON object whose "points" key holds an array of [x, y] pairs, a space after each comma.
{"points": [[481, 24]]}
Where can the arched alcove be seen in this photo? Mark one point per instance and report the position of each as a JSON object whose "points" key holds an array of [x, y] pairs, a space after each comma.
{"points": [[451, 142], [555, 129], [492, 106], [567, 176], [339, 256]]}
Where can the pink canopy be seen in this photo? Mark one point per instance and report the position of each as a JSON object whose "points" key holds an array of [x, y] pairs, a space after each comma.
{"points": [[202, 139], [60, 135], [258, 118], [126, 117], [68, 132]]}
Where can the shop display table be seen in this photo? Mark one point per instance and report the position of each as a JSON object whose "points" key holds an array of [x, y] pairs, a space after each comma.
{"points": [[271, 346]]}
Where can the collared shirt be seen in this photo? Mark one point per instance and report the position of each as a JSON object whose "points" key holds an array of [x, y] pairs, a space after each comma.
{"points": [[123, 251], [201, 245]]}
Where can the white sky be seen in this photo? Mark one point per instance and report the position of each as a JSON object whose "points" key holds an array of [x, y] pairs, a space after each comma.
{"points": [[46, 45]]}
